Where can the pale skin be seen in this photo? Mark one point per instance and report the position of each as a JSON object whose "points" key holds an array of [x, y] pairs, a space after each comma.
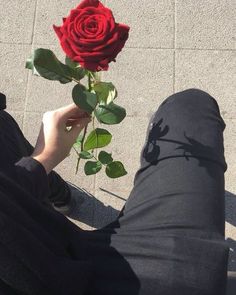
{"points": [[54, 141]]}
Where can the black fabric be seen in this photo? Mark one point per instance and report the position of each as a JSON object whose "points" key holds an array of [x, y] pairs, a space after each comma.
{"points": [[168, 239], [2, 101], [14, 146]]}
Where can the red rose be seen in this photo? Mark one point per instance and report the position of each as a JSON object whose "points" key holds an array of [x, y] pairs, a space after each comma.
{"points": [[90, 35]]}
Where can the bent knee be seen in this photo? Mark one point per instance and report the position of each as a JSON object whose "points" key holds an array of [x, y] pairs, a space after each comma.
{"points": [[194, 93], [191, 96]]}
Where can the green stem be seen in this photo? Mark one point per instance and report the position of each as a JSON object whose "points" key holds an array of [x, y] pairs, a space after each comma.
{"points": [[93, 122], [77, 166], [91, 74], [96, 77], [82, 141], [81, 149], [76, 151], [77, 81], [89, 81]]}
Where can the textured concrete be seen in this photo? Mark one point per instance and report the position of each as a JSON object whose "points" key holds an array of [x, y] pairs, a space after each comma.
{"points": [[143, 77], [173, 45], [211, 70], [17, 21], [13, 81], [151, 22], [50, 12], [205, 24]]}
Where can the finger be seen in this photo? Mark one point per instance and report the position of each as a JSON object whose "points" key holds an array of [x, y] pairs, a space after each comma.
{"points": [[76, 129], [75, 121], [70, 111]]}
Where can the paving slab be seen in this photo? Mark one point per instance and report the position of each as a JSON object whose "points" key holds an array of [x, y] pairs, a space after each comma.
{"points": [[50, 13], [13, 81], [206, 24], [31, 126], [143, 78], [151, 23], [17, 21], [212, 71]]}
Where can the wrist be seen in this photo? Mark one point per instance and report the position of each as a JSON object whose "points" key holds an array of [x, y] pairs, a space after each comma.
{"points": [[45, 161]]}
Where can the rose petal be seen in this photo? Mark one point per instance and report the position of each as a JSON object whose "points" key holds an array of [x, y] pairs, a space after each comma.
{"points": [[90, 36], [67, 48], [90, 3], [57, 31]]}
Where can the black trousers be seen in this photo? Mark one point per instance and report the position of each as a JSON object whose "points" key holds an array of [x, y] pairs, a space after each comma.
{"points": [[169, 237]]}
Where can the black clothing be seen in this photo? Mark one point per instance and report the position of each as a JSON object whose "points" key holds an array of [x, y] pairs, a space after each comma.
{"points": [[168, 238]]}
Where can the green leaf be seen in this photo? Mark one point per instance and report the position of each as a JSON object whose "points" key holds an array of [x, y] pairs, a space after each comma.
{"points": [[44, 63], [105, 158], [85, 155], [29, 63], [97, 138], [72, 64], [84, 99], [77, 144], [110, 114], [77, 70], [115, 170], [92, 167], [106, 92]]}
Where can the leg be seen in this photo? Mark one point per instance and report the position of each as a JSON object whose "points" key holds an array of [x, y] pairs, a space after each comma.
{"points": [[15, 146], [181, 178], [171, 230]]}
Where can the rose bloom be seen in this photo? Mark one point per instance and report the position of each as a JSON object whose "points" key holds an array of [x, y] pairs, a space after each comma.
{"points": [[90, 35]]}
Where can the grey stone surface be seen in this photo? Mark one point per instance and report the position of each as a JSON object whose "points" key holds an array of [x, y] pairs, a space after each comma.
{"points": [[13, 80], [31, 126], [50, 13], [212, 71], [143, 78], [206, 24], [151, 22], [17, 21]]}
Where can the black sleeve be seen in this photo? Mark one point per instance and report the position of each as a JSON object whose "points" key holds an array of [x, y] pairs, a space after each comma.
{"points": [[29, 175], [41, 251]]}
